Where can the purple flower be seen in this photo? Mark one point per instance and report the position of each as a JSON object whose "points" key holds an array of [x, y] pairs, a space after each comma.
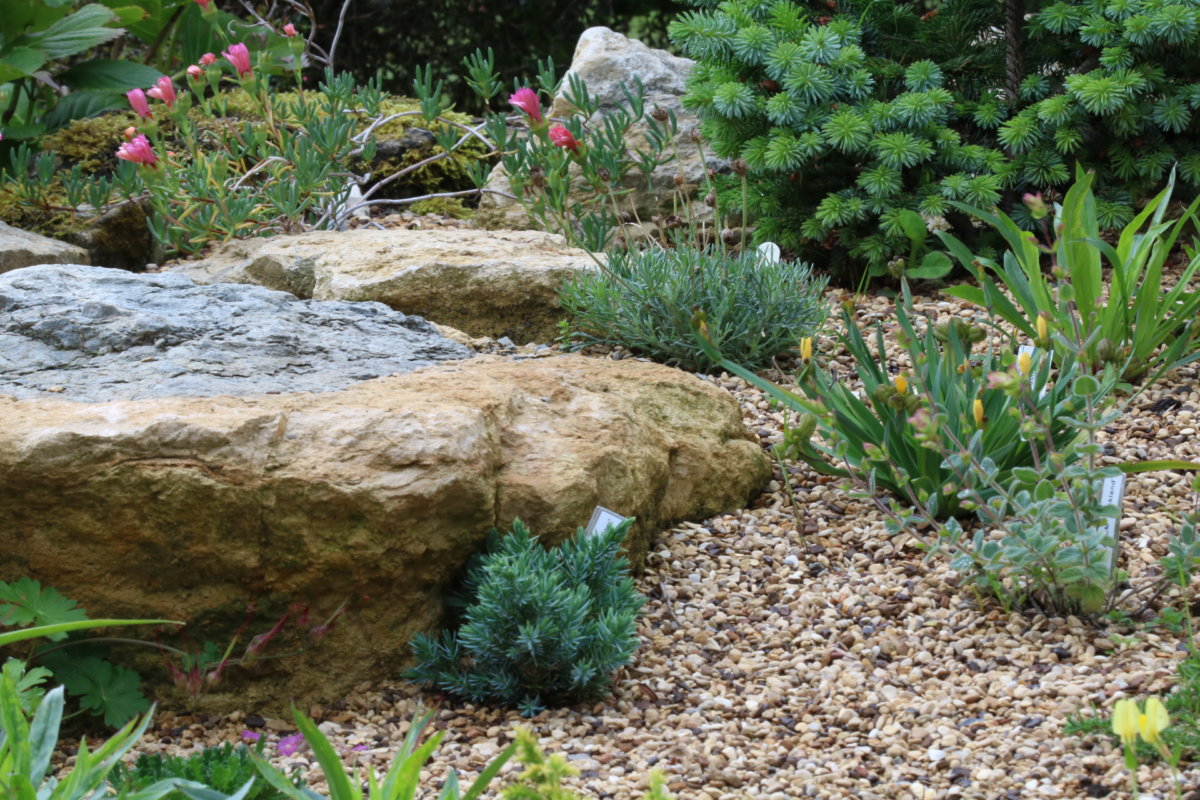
{"points": [[288, 745], [251, 736]]}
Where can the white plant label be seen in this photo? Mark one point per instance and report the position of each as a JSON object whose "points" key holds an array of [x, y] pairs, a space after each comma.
{"points": [[768, 253], [602, 519]]}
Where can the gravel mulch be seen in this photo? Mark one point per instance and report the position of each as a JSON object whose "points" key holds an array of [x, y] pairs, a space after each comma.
{"points": [[816, 656]]}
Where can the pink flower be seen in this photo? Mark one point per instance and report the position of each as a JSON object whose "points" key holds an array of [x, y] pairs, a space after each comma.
{"points": [[164, 90], [203, 4], [251, 736], [289, 30], [139, 103], [208, 59], [288, 745], [238, 55], [137, 150], [130, 133], [195, 72], [526, 99], [561, 137]]}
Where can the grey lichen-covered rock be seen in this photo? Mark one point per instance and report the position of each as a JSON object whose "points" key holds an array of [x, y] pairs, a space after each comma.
{"points": [[486, 283], [20, 248], [96, 334], [607, 62], [194, 508]]}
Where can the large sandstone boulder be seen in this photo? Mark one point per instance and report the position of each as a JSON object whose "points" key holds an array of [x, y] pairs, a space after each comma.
{"points": [[374, 492], [607, 62], [20, 248], [502, 283]]}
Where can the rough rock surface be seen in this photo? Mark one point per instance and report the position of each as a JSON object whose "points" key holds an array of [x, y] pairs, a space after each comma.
{"points": [[101, 334], [194, 508], [605, 61], [501, 283], [119, 238], [20, 248]]}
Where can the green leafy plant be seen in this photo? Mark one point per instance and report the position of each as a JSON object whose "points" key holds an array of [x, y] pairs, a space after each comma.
{"points": [[1138, 325], [883, 436], [29, 734], [102, 688], [842, 133], [757, 309], [224, 769], [543, 775], [543, 626], [403, 777]]}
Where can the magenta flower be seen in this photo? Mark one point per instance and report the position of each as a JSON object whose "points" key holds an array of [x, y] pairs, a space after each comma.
{"points": [[561, 137], [164, 90], [208, 59], [289, 30], [139, 103], [137, 150], [288, 745], [526, 99], [195, 72], [251, 736], [203, 4], [238, 55]]}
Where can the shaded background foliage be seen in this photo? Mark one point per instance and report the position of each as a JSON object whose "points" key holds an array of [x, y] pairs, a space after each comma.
{"points": [[394, 37]]}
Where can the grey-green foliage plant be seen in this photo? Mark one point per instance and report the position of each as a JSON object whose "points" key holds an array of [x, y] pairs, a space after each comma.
{"points": [[401, 781], [757, 309], [1110, 300], [543, 627]]}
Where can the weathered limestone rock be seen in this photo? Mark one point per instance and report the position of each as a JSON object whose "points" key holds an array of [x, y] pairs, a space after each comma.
{"points": [[501, 283], [606, 61], [192, 508], [102, 334], [20, 248]]}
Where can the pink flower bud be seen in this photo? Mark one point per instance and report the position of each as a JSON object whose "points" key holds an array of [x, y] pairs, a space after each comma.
{"points": [[129, 133], [238, 55], [195, 72], [208, 59], [164, 90], [203, 4], [289, 30], [138, 151], [561, 137], [526, 99], [139, 103]]}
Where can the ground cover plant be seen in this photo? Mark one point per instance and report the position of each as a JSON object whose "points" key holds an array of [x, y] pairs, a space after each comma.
{"points": [[541, 626], [225, 769], [757, 308]]}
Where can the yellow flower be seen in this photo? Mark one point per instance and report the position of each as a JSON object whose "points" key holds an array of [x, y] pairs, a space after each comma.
{"points": [[1042, 329], [1154, 721], [806, 349], [901, 383], [978, 409], [1125, 721], [1024, 362]]}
